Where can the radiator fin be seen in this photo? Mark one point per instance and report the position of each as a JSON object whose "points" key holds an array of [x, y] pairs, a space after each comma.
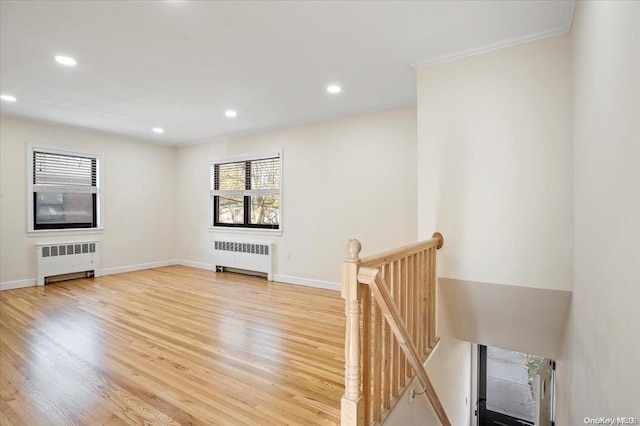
{"points": [[68, 249], [252, 248]]}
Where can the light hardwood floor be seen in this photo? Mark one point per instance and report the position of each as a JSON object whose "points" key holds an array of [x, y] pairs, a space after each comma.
{"points": [[171, 345]]}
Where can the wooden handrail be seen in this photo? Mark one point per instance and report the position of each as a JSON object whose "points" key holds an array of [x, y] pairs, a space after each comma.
{"points": [[392, 255], [377, 371], [372, 277]]}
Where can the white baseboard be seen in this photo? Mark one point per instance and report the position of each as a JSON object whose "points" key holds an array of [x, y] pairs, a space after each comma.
{"points": [[189, 263], [328, 285], [10, 285], [287, 279], [139, 267]]}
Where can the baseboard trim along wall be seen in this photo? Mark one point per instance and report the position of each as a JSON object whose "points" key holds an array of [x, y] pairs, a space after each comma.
{"points": [[139, 267], [199, 265], [11, 285], [287, 279], [307, 282]]}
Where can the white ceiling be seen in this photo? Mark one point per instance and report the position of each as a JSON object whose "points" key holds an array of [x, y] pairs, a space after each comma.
{"points": [[180, 64]]}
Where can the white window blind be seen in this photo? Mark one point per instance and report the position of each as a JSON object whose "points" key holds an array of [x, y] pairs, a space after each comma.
{"points": [[61, 173], [246, 178], [65, 187]]}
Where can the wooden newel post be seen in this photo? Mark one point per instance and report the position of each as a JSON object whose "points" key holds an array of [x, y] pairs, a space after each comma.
{"points": [[439, 237], [433, 280], [352, 411]]}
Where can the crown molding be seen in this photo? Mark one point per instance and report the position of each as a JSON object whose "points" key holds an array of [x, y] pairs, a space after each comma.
{"points": [[489, 47]]}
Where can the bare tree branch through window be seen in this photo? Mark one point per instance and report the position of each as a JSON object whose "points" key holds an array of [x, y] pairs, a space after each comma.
{"points": [[247, 193]]}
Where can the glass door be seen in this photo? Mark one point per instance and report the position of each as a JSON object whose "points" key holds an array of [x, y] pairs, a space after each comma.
{"points": [[508, 387]]}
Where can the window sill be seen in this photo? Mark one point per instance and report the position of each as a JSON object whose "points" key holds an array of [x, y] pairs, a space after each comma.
{"points": [[77, 231], [246, 231]]}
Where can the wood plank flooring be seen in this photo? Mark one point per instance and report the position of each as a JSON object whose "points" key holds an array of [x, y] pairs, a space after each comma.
{"points": [[172, 345]]}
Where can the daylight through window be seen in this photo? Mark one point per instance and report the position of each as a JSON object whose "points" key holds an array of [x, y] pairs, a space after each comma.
{"points": [[65, 190], [246, 193]]}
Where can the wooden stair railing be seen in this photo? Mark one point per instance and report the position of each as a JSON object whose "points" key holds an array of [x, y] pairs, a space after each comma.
{"points": [[373, 278], [387, 295]]}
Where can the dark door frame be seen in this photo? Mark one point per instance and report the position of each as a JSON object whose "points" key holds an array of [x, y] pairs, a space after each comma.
{"points": [[488, 417]]}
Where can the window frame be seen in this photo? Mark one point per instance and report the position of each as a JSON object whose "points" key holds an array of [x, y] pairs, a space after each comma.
{"points": [[98, 211], [246, 226]]}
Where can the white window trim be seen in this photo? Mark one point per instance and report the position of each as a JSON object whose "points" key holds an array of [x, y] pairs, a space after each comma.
{"points": [[100, 191], [246, 157], [248, 231]]}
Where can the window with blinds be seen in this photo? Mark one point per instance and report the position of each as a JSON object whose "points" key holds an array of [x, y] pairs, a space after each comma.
{"points": [[65, 190], [246, 193]]}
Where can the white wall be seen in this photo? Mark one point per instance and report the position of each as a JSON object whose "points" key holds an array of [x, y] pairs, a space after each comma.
{"points": [[495, 178], [600, 374], [454, 390], [139, 189], [494, 164], [348, 178], [449, 370]]}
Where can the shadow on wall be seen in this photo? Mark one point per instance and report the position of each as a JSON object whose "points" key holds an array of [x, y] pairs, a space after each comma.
{"points": [[522, 319]]}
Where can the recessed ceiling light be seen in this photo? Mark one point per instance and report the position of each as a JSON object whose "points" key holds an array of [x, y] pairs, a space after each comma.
{"points": [[66, 60], [158, 130], [334, 88], [230, 113], [8, 98]]}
